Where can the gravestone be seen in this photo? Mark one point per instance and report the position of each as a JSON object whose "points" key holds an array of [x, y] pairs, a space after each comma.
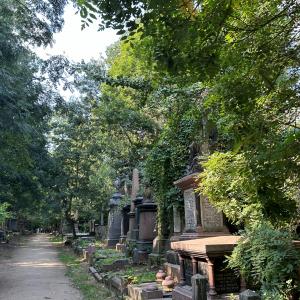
{"points": [[131, 235], [114, 218], [146, 234]]}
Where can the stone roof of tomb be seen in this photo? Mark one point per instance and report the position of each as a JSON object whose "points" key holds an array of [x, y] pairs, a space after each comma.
{"points": [[212, 246]]}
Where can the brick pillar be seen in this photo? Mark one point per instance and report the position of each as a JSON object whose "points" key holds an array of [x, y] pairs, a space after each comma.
{"points": [[211, 277], [182, 271], [195, 265]]}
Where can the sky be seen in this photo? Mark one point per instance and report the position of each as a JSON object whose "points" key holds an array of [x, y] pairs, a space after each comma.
{"points": [[77, 44]]}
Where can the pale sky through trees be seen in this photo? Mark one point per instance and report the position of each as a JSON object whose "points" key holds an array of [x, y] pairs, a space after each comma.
{"points": [[77, 44]]}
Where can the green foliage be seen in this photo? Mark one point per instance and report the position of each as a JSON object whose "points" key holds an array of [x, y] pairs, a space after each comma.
{"points": [[268, 259], [81, 279], [26, 102], [4, 214], [238, 187]]}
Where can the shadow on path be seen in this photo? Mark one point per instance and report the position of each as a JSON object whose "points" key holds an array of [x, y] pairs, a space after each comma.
{"points": [[31, 271]]}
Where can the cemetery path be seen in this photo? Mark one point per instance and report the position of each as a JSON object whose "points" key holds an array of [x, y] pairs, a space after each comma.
{"points": [[32, 271]]}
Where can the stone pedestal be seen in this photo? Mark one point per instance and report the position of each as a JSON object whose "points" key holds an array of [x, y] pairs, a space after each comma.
{"points": [[146, 220], [114, 221], [159, 246]]}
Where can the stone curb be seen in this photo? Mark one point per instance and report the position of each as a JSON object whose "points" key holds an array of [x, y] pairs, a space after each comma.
{"points": [[95, 274]]}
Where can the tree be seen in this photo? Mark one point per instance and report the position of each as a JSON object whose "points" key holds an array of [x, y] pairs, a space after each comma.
{"points": [[26, 101], [246, 55]]}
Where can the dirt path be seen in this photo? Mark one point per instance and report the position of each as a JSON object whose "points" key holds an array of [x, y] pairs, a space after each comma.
{"points": [[32, 271]]}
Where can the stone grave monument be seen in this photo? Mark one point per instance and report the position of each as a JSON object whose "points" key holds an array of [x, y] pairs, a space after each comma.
{"points": [[131, 235], [207, 257], [146, 212], [201, 218], [114, 218]]}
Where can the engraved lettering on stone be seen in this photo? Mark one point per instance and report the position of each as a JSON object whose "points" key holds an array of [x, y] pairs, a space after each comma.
{"points": [[211, 219], [190, 210]]}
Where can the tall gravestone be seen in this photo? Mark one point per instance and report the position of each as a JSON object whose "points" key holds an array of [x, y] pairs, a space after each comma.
{"points": [[114, 218], [131, 235], [146, 227]]}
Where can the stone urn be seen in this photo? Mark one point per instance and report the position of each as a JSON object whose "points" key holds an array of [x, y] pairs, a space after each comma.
{"points": [[168, 284], [160, 276]]}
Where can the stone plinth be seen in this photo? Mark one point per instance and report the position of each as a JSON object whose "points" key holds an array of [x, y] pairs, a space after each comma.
{"points": [[144, 291], [114, 221], [146, 234], [182, 293]]}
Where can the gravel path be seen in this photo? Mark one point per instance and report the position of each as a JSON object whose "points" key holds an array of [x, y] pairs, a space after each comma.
{"points": [[32, 271]]}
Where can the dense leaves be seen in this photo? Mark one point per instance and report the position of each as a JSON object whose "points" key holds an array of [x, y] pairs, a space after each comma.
{"points": [[26, 102]]}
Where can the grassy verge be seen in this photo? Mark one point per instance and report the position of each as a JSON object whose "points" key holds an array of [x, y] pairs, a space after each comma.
{"points": [[78, 273], [56, 239]]}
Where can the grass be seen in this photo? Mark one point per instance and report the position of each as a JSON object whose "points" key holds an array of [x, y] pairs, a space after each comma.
{"points": [[77, 271], [56, 239], [136, 274]]}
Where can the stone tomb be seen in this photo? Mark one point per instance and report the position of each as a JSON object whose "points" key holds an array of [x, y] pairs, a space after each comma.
{"points": [[206, 256], [201, 218]]}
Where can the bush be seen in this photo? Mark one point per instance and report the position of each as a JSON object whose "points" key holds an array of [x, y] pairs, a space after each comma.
{"points": [[268, 258]]}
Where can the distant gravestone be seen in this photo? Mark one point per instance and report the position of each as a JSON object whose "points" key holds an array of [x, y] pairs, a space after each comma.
{"points": [[249, 295], [114, 218], [132, 214]]}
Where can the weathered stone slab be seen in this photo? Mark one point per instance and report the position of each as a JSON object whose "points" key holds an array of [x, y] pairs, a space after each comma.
{"points": [[182, 293], [173, 271], [144, 291], [190, 210], [211, 219], [176, 220], [116, 265], [249, 295]]}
